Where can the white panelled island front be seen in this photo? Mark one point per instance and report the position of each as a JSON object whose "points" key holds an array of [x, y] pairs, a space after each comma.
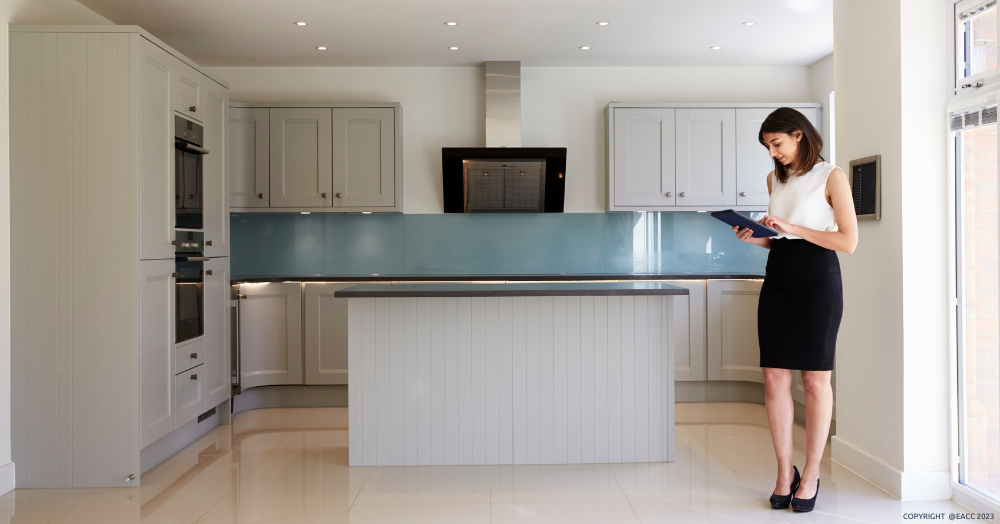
{"points": [[534, 373]]}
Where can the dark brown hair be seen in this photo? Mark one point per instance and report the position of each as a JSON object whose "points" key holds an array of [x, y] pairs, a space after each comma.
{"points": [[787, 120]]}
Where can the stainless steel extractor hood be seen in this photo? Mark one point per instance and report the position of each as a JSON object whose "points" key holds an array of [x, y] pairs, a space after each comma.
{"points": [[503, 177]]}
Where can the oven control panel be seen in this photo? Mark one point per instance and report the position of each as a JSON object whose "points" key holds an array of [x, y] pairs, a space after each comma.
{"points": [[189, 242]]}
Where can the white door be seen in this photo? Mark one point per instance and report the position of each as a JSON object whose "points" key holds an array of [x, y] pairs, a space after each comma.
{"points": [[249, 156], [189, 93], [300, 158], [215, 181], [218, 361], [644, 157], [156, 154], [706, 157], [364, 157], [689, 323], [270, 334], [189, 395], [753, 162], [156, 349], [733, 352], [325, 350]]}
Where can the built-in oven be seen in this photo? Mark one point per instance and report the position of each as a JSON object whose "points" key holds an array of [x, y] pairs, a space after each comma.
{"points": [[189, 154], [190, 285]]}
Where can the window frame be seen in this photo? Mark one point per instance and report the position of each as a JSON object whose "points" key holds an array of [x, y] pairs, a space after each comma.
{"points": [[990, 77]]}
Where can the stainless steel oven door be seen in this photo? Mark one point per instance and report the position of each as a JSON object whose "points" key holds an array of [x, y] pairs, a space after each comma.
{"points": [[190, 299]]}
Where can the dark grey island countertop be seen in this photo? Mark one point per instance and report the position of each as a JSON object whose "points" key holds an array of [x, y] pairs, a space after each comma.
{"points": [[560, 289]]}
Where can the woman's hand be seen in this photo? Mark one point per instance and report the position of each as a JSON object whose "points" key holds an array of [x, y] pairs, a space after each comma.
{"points": [[778, 224], [744, 234]]}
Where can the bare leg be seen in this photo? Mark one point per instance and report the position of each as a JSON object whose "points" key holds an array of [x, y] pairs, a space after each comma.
{"points": [[780, 417], [819, 410]]}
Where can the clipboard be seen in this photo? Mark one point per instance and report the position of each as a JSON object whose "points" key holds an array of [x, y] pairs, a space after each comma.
{"points": [[736, 219]]}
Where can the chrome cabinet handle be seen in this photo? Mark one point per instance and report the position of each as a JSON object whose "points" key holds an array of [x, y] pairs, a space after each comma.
{"points": [[194, 355], [669, 193], [194, 377], [173, 242], [743, 193], [193, 109], [680, 194], [175, 274], [241, 296], [339, 195], [208, 242], [260, 195], [324, 195], [208, 271]]}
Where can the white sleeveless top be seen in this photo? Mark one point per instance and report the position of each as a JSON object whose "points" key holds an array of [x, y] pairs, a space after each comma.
{"points": [[802, 200]]}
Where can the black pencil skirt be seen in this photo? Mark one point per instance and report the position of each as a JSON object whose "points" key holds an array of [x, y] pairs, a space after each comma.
{"points": [[801, 304]]}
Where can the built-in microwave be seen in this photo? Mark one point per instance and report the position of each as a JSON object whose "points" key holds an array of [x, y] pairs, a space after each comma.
{"points": [[189, 138]]}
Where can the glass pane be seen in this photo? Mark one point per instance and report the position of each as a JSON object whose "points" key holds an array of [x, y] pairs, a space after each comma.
{"points": [[981, 335], [980, 53]]}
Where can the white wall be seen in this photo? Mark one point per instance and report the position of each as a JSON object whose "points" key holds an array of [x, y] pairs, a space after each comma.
{"points": [[892, 413], [19, 12], [820, 85], [560, 107]]}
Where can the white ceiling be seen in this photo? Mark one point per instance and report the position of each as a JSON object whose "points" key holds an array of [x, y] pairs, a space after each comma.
{"points": [[536, 32]]}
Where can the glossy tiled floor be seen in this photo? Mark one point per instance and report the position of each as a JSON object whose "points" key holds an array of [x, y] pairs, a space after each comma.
{"points": [[290, 466]]}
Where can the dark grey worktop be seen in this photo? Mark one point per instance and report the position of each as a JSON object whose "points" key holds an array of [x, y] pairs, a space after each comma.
{"points": [[560, 289], [489, 278]]}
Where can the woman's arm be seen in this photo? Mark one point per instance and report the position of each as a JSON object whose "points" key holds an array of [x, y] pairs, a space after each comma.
{"points": [[846, 238], [746, 234]]}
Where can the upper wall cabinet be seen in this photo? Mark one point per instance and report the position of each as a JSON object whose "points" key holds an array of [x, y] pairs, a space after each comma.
{"points": [[156, 161], [215, 106], [189, 86], [316, 157], [689, 157]]}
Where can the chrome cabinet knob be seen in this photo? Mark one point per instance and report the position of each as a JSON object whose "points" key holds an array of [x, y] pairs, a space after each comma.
{"points": [[174, 274], [743, 193], [193, 109], [194, 377], [173, 242], [208, 242], [208, 271], [130, 478], [339, 195], [241, 296], [260, 195], [669, 193], [194, 355], [680, 194], [324, 195]]}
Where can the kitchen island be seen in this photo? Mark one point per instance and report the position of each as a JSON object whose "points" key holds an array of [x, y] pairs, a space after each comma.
{"points": [[517, 373]]}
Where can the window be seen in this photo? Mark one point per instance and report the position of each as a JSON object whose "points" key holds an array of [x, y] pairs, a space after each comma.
{"points": [[975, 40], [978, 275]]}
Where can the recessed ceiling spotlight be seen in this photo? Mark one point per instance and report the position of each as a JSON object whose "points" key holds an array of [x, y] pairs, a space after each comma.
{"points": [[321, 48], [749, 23], [451, 23], [603, 23], [715, 48], [453, 48], [585, 47], [301, 23]]}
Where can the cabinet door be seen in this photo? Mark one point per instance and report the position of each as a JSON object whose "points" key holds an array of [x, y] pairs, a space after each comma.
{"points": [[249, 156], [733, 353], [189, 395], [218, 361], [300, 157], [216, 183], [156, 154], [364, 157], [156, 349], [689, 322], [270, 335], [753, 162], [706, 157], [325, 350], [189, 87], [644, 157]]}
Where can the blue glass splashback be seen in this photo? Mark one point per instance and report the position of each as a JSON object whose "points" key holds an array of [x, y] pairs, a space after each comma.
{"points": [[289, 244]]}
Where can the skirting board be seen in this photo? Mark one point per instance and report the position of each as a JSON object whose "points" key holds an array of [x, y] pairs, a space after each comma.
{"points": [[291, 397], [7, 478], [177, 440], [917, 485], [734, 391]]}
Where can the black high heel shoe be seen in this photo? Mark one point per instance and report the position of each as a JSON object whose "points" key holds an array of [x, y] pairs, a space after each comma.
{"points": [[782, 501], [806, 504]]}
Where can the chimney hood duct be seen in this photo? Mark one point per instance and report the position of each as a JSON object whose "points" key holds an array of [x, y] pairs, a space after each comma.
{"points": [[503, 104]]}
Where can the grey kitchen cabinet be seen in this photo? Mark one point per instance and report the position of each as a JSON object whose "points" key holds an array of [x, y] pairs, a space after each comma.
{"points": [[301, 156], [325, 157], [644, 157], [689, 341], [188, 87], [156, 349], [688, 157], [156, 163], [364, 173], [270, 334], [706, 157], [249, 157], [218, 362], [753, 161], [189, 395], [325, 325], [733, 352], [214, 109]]}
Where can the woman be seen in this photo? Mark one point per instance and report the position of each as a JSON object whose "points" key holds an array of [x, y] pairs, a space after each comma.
{"points": [[801, 300]]}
